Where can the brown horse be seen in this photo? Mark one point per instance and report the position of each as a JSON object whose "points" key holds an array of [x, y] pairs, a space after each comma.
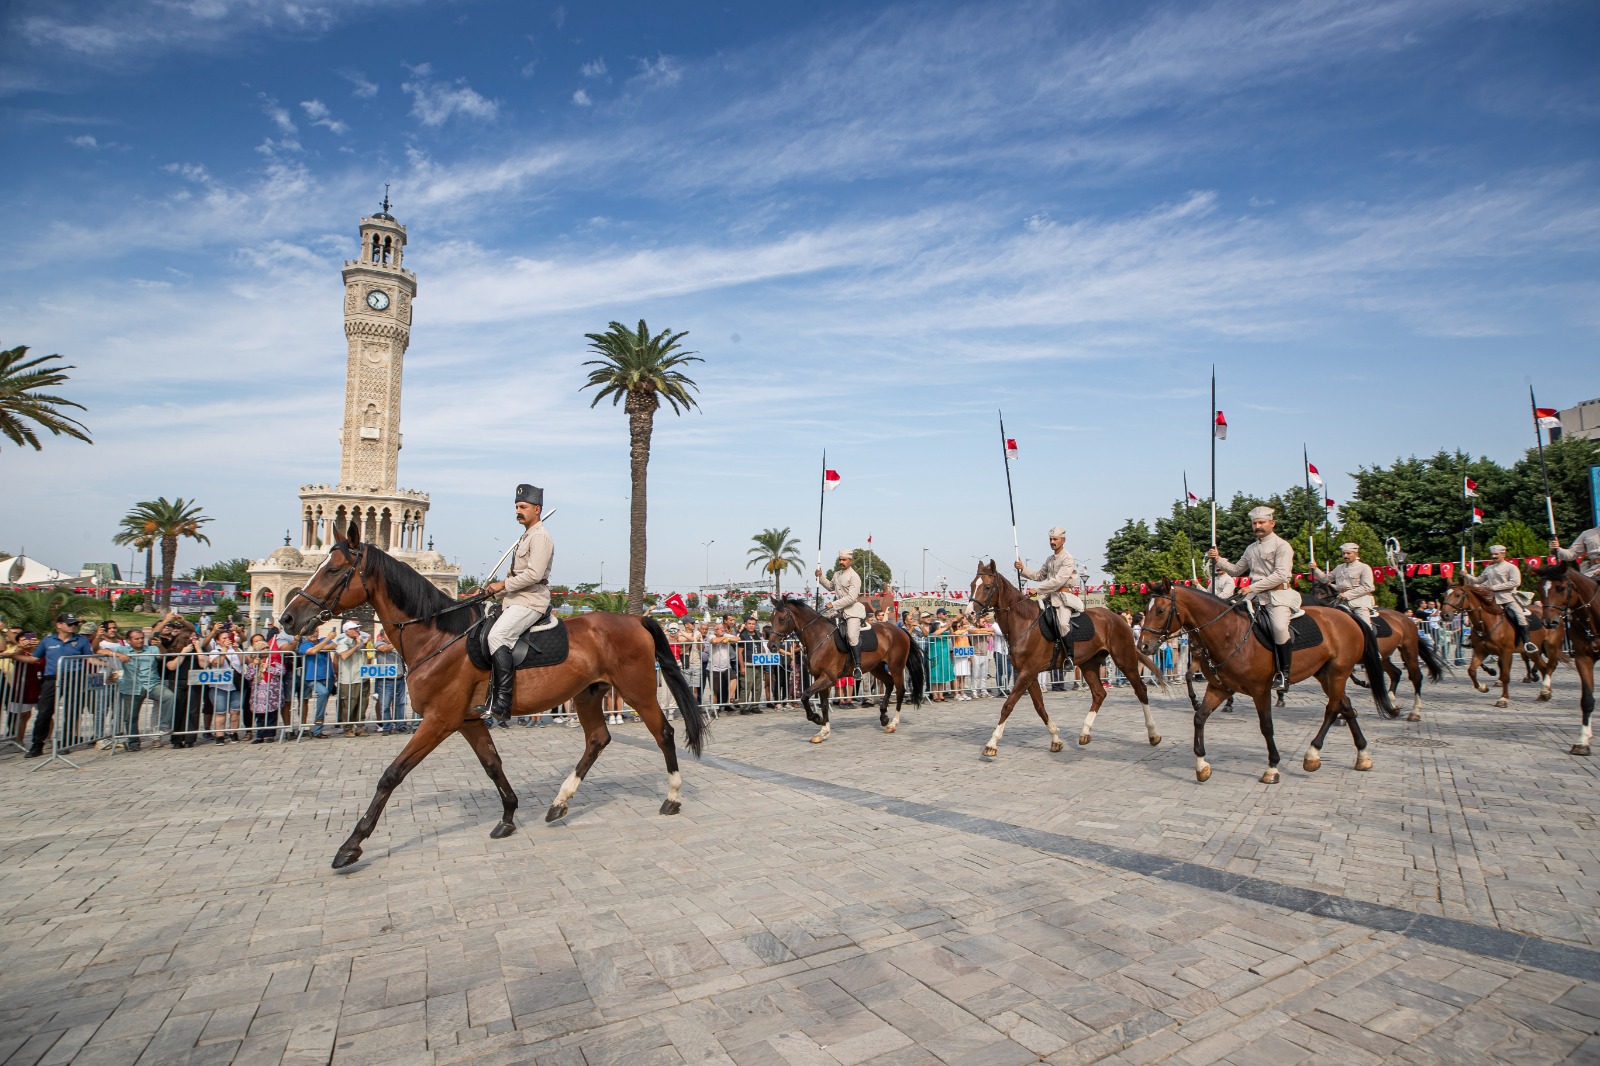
{"points": [[1031, 653], [1492, 632], [897, 662], [1415, 650], [429, 630], [1567, 589], [1220, 633]]}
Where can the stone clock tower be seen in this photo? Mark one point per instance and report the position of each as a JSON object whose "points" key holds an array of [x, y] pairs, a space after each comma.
{"points": [[378, 294]]}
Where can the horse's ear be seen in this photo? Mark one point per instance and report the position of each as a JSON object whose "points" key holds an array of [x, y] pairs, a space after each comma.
{"points": [[992, 566], [1166, 585], [353, 534]]}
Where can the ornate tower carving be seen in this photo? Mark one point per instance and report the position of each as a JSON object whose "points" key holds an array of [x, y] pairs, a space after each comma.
{"points": [[378, 292]]}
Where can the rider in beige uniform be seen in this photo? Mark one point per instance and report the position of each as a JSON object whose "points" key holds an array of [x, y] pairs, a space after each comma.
{"points": [[1056, 577], [846, 588], [527, 592], [1504, 579], [1222, 585], [1270, 564], [1353, 583], [1586, 547]]}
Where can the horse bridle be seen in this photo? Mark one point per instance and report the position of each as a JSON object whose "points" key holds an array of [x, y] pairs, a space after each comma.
{"points": [[1164, 634], [324, 611], [994, 608]]}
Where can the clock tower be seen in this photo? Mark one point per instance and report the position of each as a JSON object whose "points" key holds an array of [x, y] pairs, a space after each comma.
{"points": [[378, 292]]}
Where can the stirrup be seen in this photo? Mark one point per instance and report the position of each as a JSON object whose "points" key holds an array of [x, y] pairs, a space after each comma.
{"points": [[1280, 681]]}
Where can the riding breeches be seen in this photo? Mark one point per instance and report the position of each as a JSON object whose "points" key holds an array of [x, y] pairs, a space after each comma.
{"points": [[509, 626], [1514, 607], [1063, 620], [852, 631], [1277, 617], [1365, 608]]}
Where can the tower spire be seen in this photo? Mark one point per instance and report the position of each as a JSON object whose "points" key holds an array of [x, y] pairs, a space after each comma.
{"points": [[386, 198]]}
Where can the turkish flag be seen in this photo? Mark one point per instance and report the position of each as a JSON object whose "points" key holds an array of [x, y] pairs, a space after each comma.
{"points": [[676, 605], [1446, 570], [1425, 570]]}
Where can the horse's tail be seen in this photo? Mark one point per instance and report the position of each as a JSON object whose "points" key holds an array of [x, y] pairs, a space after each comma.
{"points": [[1376, 677], [694, 719], [1155, 671], [917, 668], [1430, 657]]}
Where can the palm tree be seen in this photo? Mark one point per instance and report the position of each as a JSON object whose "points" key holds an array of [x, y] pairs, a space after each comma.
{"points": [[135, 535], [639, 371], [164, 521], [615, 602], [21, 403], [775, 552], [37, 609]]}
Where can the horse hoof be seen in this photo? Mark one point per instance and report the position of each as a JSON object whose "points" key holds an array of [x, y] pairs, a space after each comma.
{"points": [[1056, 745], [557, 810], [818, 739], [1480, 688], [1270, 777], [1577, 749], [888, 729], [503, 830], [1083, 738], [671, 806], [1203, 774], [1312, 764], [991, 751], [347, 856], [1155, 740], [1413, 717], [1363, 761], [1544, 696], [1502, 702]]}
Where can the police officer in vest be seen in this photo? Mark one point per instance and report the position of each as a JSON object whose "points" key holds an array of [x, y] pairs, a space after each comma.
{"points": [[1586, 548], [1057, 574], [1270, 564], [1504, 579], [846, 589], [527, 598], [1353, 584]]}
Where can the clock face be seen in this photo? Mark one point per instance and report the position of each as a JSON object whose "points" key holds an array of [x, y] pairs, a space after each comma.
{"points": [[378, 300]]}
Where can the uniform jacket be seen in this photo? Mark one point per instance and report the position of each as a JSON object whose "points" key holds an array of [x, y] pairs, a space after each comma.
{"points": [[1353, 582], [528, 582], [1501, 578], [846, 589], [1588, 543], [1270, 564], [1055, 575]]}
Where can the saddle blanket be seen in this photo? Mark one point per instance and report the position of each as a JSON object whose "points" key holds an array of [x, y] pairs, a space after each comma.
{"points": [[1303, 632], [1081, 628], [544, 644], [869, 639]]}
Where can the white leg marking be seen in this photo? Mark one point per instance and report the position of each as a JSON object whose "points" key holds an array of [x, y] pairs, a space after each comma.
{"points": [[568, 787], [1200, 764], [1149, 721], [674, 783], [994, 741], [1586, 734], [1088, 724]]}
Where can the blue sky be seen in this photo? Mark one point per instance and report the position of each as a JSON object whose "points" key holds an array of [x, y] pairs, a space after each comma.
{"points": [[879, 225]]}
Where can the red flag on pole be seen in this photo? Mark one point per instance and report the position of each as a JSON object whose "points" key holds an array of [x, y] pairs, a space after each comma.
{"points": [[1548, 417], [1220, 430], [1477, 516], [1469, 487], [676, 605], [1011, 447], [830, 480]]}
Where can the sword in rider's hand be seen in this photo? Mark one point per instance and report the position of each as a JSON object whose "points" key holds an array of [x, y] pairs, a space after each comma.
{"points": [[489, 580]]}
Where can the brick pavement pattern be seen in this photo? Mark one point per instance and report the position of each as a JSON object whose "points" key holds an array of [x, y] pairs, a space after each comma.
{"points": [[177, 907]]}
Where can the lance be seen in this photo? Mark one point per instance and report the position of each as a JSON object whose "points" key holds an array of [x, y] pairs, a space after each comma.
{"points": [[1194, 574], [1005, 454], [822, 495], [1549, 506], [1212, 565]]}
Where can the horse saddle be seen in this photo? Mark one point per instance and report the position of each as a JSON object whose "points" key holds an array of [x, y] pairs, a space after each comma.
{"points": [[1303, 631], [1534, 621], [1380, 625], [542, 644], [1081, 628], [869, 639]]}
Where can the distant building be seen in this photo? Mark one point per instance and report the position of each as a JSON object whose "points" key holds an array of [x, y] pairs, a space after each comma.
{"points": [[1580, 421]]}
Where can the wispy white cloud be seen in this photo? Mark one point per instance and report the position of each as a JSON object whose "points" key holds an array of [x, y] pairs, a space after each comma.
{"points": [[581, 98], [360, 85], [86, 141], [661, 72], [594, 68], [279, 115], [319, 115], [435, 102]]}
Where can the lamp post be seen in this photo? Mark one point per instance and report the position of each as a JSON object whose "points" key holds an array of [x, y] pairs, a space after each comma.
{"points": [[706, 544], [924, 569]]}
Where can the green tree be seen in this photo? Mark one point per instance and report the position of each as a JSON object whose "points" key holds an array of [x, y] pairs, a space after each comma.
{"points": [[226, 608], [166, 521], [614, 602], [775, 551], [1131, 540], [236, 570], [37, 609], [1521, 494], [24, 409], [875, 573], [692, 601], [1522, 542], [639, 370]]}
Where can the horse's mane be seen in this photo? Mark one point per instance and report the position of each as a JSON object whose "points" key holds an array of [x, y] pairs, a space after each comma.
{"points": [[416, 596]]}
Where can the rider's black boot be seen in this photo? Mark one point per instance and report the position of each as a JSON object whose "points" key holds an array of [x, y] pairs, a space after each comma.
{"points": [[1067, 665], [1523, 639], [502, 684], [1281, 657], [855, 661]]}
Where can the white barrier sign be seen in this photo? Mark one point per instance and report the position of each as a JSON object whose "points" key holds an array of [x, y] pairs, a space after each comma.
{"points": [[960, 653], [222, 678], [380, 671], [766, 659]]}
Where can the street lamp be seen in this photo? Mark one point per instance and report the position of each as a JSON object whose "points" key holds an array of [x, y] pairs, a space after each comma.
{"points": [[706, 544], [1397, 559], [924, 569]]}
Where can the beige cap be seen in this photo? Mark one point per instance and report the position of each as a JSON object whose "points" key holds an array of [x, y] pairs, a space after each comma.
{"points": [[1350, 546], [1262, 512], [1057, 531]]}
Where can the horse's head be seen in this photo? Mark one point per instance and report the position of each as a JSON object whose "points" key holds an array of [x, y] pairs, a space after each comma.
{"points": [[1556, 588], [337, 586], [1454, 601], [1161, 617], [984, 593], [782, 624]]}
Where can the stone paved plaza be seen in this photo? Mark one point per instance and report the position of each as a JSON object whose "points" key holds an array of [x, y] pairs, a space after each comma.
{"points": [[885, 899]]}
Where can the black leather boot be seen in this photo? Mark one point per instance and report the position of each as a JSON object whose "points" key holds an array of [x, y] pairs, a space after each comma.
{"points": [[1281, 656], [1523, 639], [1066, 654], [855, 661], [502, 684]]}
